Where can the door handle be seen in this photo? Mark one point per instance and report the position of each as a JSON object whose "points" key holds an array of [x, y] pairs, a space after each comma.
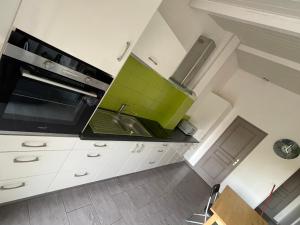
{"points": [[235, 162], [124, 52], [10, 187], [26, 159]]}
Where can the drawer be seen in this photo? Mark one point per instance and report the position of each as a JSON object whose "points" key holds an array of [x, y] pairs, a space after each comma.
{"points": [[92, 159], [34, 143], [66, 179], [12, 190], [25, 164], [92, 145]]}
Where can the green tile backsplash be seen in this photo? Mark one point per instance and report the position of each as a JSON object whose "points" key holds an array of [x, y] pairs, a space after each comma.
{"points": [[147, 95]]}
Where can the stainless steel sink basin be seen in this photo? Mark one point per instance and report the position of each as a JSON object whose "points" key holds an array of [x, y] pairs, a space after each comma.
{"points": [[107, 122]]}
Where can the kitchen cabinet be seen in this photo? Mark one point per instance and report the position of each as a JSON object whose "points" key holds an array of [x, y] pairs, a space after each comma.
{"points": [[26, 164], [11, 190], [99, 32], [156, 153], [91, 161], [53, 163], [159, 47], [137, 158]]}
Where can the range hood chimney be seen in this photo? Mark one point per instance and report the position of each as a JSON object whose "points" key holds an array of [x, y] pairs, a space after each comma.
{"points": [[192, 63]]}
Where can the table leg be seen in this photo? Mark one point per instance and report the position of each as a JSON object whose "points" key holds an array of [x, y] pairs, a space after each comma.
{"points": [[211, 220]]}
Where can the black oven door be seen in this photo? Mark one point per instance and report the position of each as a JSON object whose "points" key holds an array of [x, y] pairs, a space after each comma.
{"points": [[38, 101]]}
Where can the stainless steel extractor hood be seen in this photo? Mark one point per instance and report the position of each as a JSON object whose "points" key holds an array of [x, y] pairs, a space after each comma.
{"points": [[193, 61]]}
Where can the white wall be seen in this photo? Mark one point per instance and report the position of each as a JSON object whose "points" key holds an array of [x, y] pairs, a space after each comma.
{"points": [[274, 110]]}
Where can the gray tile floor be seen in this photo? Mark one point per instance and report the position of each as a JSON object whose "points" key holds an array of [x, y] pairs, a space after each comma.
{"points": [[162, 196]]}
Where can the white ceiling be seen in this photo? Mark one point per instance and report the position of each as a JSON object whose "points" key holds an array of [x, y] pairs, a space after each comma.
{"points": [[283, 7]]}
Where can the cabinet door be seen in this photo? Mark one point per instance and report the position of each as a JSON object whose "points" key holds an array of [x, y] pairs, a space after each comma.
{"points": [[115, 159], [99, 32], [138, 155], [159, 48]]}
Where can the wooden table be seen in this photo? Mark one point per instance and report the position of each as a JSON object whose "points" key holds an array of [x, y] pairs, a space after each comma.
{"points": [[231, 209]]}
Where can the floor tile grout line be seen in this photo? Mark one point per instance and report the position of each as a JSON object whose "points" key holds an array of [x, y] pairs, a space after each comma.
{"points": [[27, 206], [66, 213]]}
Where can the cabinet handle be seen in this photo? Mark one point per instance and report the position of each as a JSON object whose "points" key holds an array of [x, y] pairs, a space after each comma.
{"points": [[151, 163], [33, 145], [22, 159], [124, 52], [165, 145], [93, 156], [134, 150], [161, 150], [141, 148], [100, 146], [152, 60], [10, 187], [81, 175]]}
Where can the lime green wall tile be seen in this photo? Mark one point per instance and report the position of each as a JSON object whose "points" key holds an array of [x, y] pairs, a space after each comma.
{"points": [[147, 95]]}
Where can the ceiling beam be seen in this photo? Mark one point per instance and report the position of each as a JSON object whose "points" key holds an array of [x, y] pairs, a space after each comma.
{"points": [[276, 59], [275, 21]]}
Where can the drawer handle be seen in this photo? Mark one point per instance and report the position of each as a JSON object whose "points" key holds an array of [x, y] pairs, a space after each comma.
{"points": [[34, 145], [81, 175], [93, 156], [165, 145], [100, 146], [26, 159], [10, 187], [151, 163], [161, 150]]}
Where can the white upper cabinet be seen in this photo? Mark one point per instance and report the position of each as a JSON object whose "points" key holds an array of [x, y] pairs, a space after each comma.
{"points": [[99, 32], [159, 47]]}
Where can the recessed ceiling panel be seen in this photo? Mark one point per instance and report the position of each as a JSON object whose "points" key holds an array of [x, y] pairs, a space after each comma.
{"points": [[278, 74], [276, 43]]}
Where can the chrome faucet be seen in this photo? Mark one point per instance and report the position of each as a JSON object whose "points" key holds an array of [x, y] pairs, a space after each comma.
{"points": [[122, 108]]}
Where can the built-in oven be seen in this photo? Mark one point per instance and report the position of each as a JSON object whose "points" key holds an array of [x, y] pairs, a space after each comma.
{"points": [[44, 90]]}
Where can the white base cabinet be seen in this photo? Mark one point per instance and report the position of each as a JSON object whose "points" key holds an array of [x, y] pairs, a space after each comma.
{"points": [[26, 172]]}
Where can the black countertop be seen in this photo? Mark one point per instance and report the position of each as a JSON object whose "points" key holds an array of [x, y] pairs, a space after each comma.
{"points": [[159, 134]]}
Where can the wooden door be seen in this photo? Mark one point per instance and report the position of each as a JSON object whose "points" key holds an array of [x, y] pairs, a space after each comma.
{"points": [[238, 140], [285, 194]]}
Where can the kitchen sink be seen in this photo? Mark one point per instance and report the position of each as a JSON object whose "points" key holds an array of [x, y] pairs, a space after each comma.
{"points": [[108, 122]]}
